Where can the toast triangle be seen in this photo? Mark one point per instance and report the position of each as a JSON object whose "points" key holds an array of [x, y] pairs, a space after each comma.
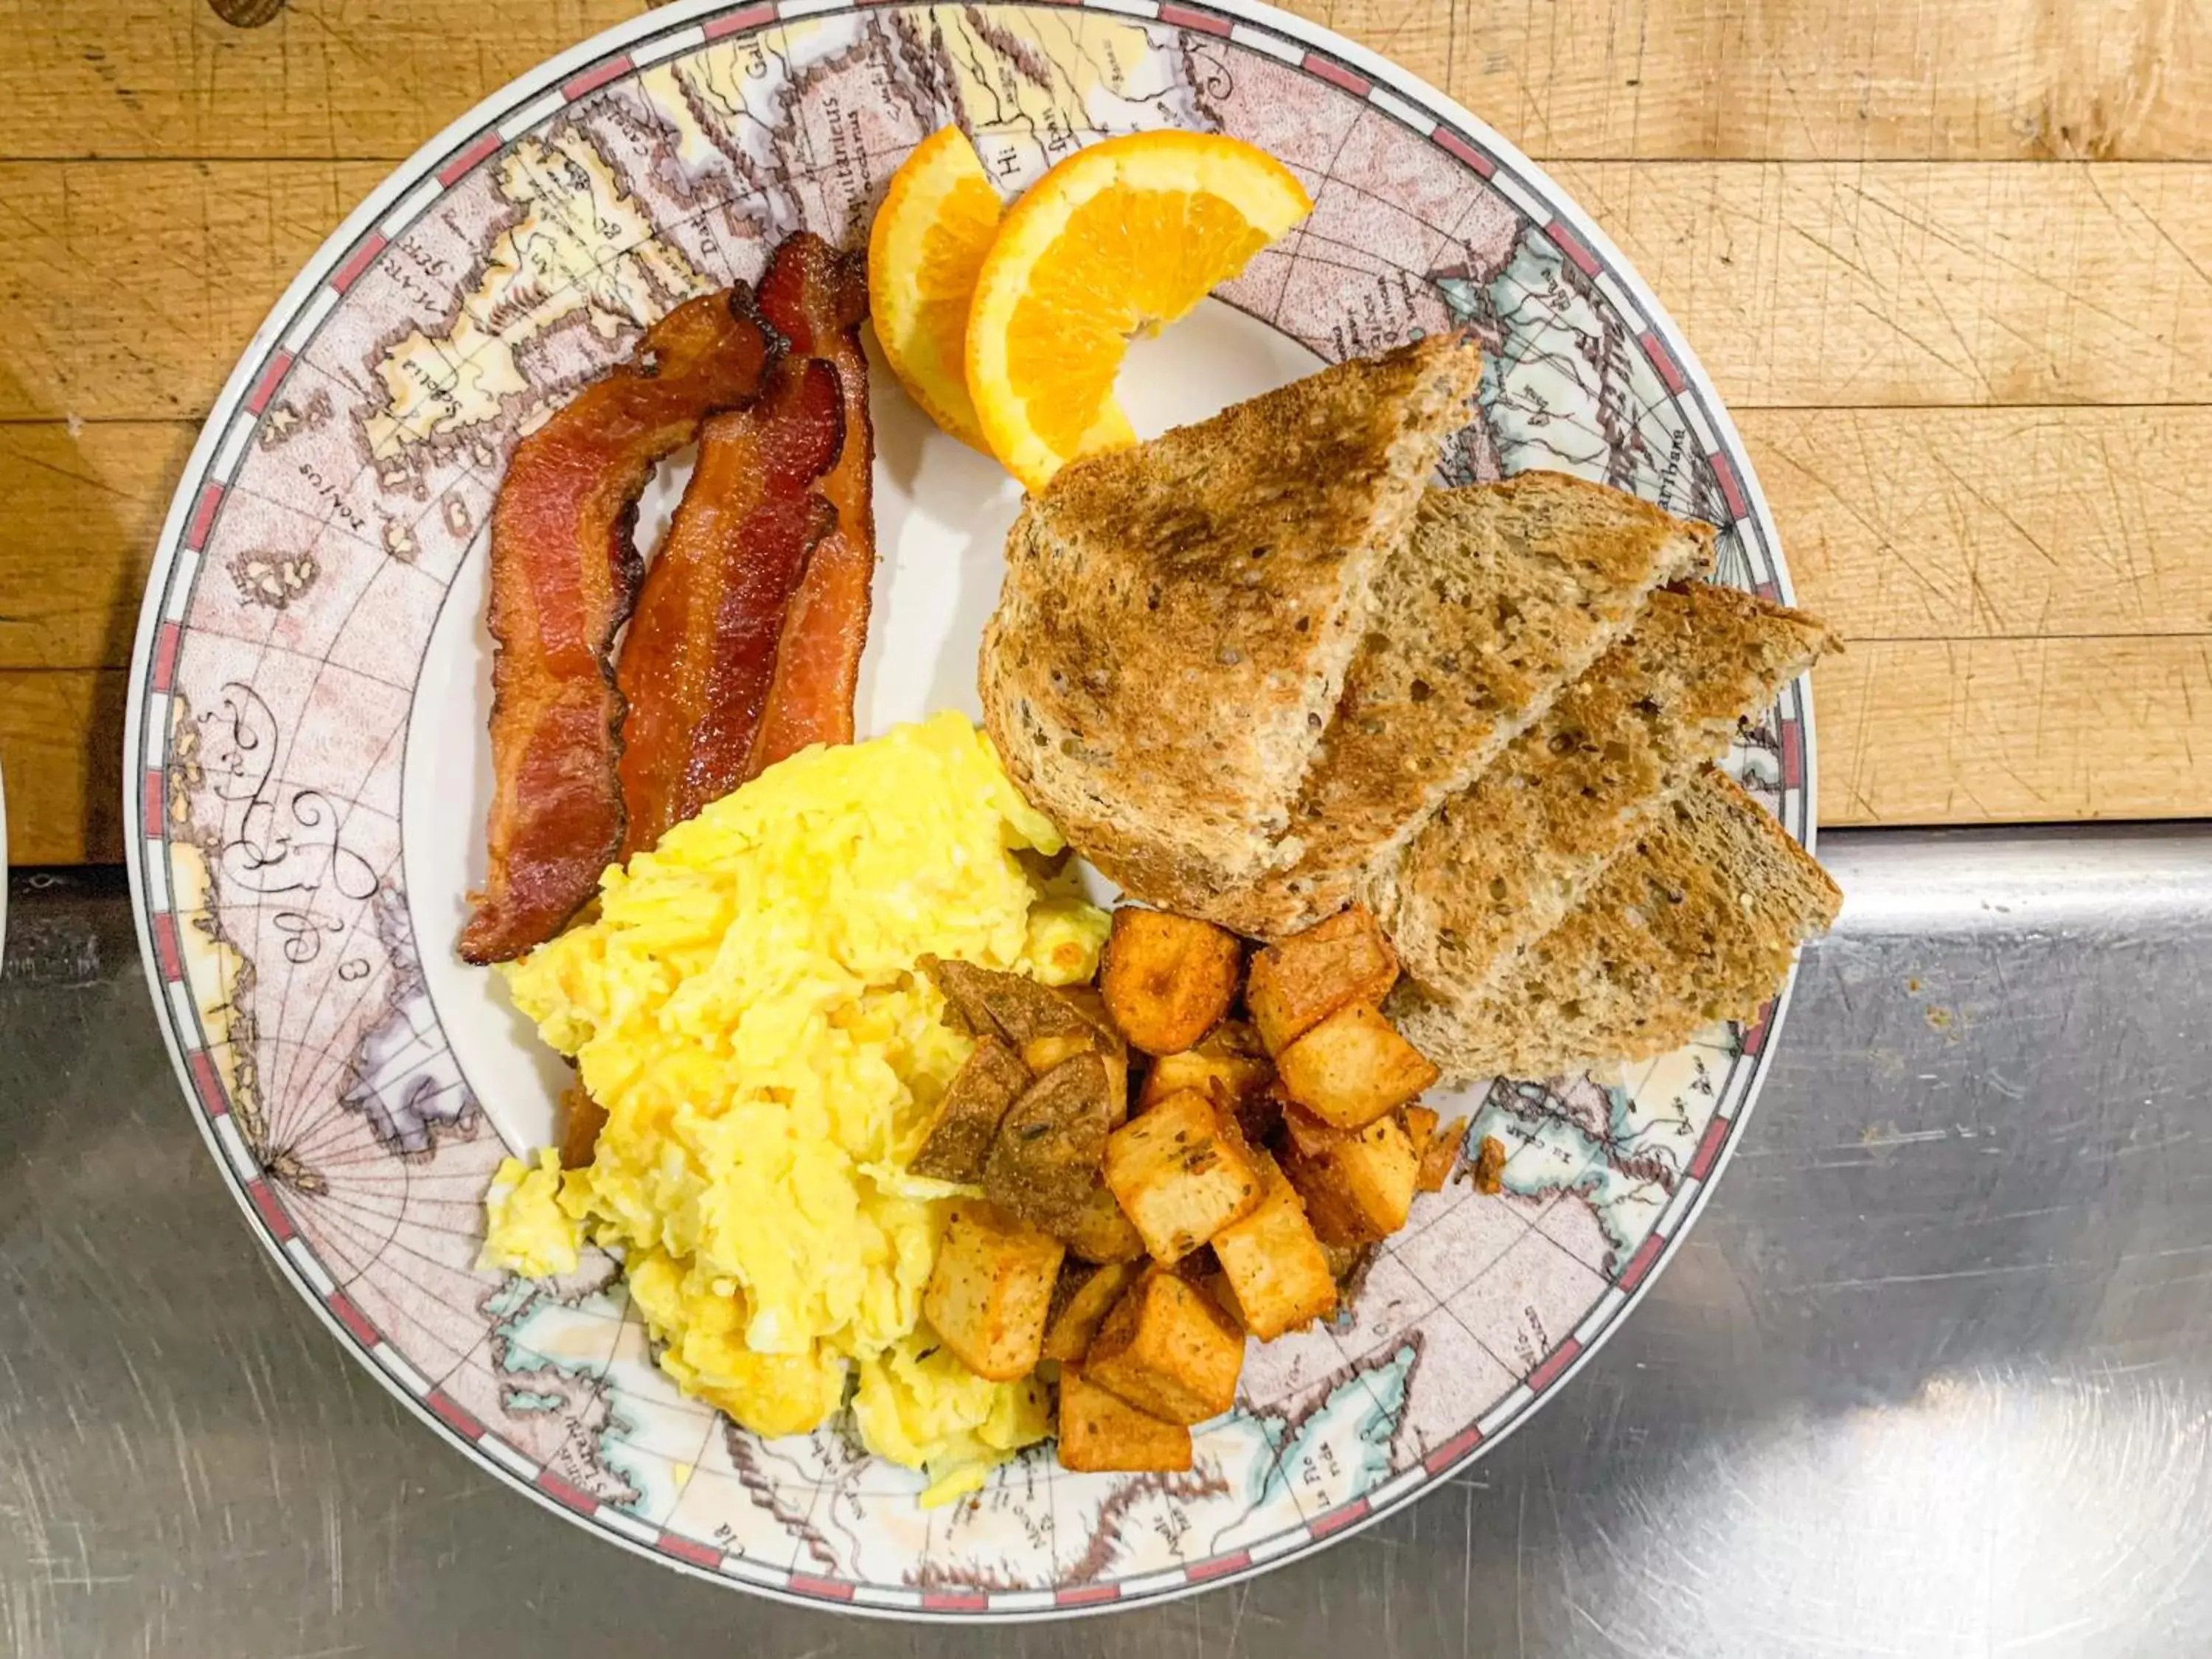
{"points": [[1698, 920], [1503, 862], [1177, 617], [1501, 596]]}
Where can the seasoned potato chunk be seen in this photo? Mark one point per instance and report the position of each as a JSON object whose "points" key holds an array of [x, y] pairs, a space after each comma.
{"points": [[1085, 1298], [991, 1002], [1490, 1166], [1041, 1054], [1169, 1349], [1439, 1153], [1046, 1163], [1230, 1064], [1096, 1035], [1258, 1115], [1044, 1159], [1182, 1172], [1101, 1432], [1296, 985], [1100, 1231], [1358, 1184], [1229, 1068], [989, 1081], [1168, 979], [1274, 1264], [1352, 1067], [1346, 1264], [989, 1290]]}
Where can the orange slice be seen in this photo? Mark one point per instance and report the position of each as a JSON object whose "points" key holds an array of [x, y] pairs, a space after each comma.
{"points": [[929, 237], [1118, 240]]}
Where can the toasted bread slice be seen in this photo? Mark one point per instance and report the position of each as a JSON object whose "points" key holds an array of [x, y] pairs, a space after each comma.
{"points": [[1177, 616], [1502, 596], [1698, 920], [1501, 863]]}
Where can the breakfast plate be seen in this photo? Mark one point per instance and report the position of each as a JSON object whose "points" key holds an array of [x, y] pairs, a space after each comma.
{"points": [[308, 759]]}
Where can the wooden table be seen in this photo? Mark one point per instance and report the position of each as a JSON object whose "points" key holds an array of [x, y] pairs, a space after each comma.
{"points": [[1950, 264]]}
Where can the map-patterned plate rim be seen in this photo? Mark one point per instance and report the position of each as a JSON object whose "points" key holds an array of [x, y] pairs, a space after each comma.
{"points": [[352, 249]]}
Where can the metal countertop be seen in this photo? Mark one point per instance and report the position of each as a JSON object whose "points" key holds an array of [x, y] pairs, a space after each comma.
{"points": [[1932, 1375]]}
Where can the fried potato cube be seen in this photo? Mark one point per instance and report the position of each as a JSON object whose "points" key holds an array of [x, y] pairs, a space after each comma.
{"points": [[1345, 1264], [1101, 1231], [990, 1288], [1080, 1304], [1169, 1349], [1045, 1162], [1041, 1054], [1182, 1172], [1229, 1064], [1101, 1432], [1352, 1067], [1441, 1152], [959, 1140], [1230, 1068], [1490, 1167], [1199, 1265], [1044, 1159], [1168, 979], [1358, 1184], [1274, 1265], [986, 1002], [1217, 1285], [1258, 1115], [1296, 985], [990, 1002], [1098, 1034]]}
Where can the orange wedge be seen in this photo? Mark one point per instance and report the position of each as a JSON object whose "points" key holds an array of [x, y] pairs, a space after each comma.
{"points": [[1118, 240], [929, 237]]}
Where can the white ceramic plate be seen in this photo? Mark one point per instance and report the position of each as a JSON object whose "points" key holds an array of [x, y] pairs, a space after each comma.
{"points": [[308, 769]]}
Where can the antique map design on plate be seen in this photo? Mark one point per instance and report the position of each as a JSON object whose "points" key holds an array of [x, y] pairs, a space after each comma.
{"points": [[342, 490]]}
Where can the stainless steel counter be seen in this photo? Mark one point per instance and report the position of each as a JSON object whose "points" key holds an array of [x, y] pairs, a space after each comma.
{"points": [[1933, 1376]]}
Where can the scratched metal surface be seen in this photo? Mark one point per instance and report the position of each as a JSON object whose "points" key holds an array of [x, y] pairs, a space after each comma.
{"points": [[1931, 1377]]}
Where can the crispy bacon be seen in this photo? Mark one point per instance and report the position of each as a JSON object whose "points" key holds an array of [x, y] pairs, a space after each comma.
{"points": [[563, 574], [700, 655], [816, 299]]}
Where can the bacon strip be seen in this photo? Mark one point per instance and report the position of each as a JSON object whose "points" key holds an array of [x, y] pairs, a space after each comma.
{"points": [[816, 299], [563, 574], [702, 652]]}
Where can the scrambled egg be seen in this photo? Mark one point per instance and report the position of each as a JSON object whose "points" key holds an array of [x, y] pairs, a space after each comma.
{"points": [[526, 1229], [747, 1009]]}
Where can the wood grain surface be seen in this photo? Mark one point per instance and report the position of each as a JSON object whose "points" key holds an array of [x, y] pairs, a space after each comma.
{"points": [[1950, 266]]}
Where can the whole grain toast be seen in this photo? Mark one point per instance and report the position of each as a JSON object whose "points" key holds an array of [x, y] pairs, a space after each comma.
{"points": [[1177, 617], [1698, 920], [1502, 862], [1502, 594]]}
